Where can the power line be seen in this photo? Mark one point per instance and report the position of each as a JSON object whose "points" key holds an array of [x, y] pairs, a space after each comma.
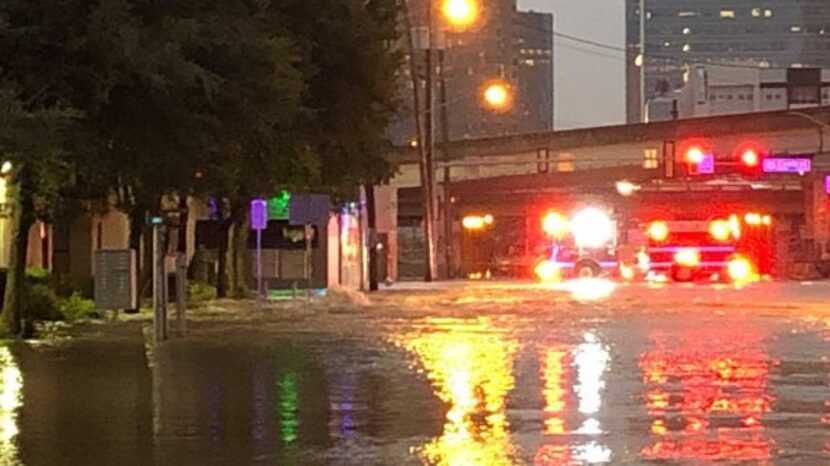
{"points": [[657, 56]]}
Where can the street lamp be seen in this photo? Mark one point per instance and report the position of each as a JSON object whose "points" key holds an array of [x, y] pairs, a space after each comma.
{"points": [[460, 13], [497, 95]]}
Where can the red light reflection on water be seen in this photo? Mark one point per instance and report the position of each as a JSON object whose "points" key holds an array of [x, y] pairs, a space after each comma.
{"points": [[706, 394]]}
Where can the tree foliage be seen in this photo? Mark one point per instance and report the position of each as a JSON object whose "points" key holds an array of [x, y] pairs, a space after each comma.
{"points": [[137, 99]]}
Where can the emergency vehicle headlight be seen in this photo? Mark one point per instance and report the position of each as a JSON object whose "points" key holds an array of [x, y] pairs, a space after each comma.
{"points": [[740, 270], [687, 257], [658, 231], [720, 230], [592, 228], [555, 224]]}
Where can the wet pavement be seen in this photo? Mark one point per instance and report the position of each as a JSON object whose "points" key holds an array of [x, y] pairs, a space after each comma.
{"points": [[459, 374]]}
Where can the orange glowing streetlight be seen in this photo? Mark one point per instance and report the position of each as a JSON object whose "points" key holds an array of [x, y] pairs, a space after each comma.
{"points": [[460, 13], [497, 95]]}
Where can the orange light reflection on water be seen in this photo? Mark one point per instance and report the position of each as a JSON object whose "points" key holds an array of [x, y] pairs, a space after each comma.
{"points": [[470, 365], [555, 390], [706, 400]]}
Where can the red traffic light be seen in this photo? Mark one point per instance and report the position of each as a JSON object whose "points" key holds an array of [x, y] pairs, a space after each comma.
{"points": [[750, 158], [695, 155]]}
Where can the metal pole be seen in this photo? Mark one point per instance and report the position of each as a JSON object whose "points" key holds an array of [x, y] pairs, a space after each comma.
{"points": [[307, 259], [642, 59], [181, 293], [259, 283], [159, 286]]}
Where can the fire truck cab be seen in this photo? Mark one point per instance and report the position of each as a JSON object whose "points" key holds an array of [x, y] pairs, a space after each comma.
{"points": [[579, 245]]}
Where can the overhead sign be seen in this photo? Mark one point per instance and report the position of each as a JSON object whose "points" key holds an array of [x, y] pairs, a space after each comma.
{"points": [[259, 214], [706, 165], [308, 209], [788, 165]]}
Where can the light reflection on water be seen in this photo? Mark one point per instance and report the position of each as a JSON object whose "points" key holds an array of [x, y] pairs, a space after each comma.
{"points": [[706, 397], [451, 391], [11, 386], [471, 368]]}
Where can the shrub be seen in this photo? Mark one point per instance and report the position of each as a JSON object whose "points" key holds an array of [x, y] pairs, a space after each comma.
{"points": [[37, 274], [41, 303], [200, 291], [77, 308]]}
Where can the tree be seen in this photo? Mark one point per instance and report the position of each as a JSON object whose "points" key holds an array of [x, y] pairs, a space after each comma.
{"points": [[31, 140]]}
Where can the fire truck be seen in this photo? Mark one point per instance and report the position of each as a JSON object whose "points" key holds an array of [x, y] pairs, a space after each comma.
{"points": [[736, 248], [583, 244]]}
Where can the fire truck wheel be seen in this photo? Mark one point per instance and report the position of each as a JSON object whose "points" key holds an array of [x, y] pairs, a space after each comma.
{"points": [[682, 274], [587, 269]]}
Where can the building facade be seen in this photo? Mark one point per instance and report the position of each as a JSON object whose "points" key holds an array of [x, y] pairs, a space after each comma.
{"points": [[505, 45], [712, 90], [773, 34]]}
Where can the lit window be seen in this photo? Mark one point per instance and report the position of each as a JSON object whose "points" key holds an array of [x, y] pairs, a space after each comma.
{"points": [[795, 28], [756, 12], [687, 47], [728, 14], [768, 13], [565, 162], [687, 31], [687, 14], [650, 160]]}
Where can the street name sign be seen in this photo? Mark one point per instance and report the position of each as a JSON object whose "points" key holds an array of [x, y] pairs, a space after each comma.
{"points": [[788, 165]]}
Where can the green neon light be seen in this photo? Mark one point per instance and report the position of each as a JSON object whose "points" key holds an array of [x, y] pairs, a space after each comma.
{"points": [[279, 207], [289, 404]]}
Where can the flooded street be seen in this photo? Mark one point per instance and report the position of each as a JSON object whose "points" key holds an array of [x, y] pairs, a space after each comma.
{"points": [[462, 375]]}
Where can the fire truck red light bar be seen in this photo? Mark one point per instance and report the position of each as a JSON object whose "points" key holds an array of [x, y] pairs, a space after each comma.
{"points": [[787, 165]]}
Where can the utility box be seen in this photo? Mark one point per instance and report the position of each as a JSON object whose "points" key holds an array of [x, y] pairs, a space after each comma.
{"points": [[116, 279]]}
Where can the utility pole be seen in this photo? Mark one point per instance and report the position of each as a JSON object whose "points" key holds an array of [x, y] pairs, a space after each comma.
{"points": [[642, 60], [427, 171], [445, 140], [424, 157]]}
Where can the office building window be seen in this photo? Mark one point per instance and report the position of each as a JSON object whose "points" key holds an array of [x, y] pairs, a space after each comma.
{"points": [[727, 14], [756, 12], [768, 13], [565, 162], [651, 160]]}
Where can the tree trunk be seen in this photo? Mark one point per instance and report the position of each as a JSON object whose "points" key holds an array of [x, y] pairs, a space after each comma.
{"points": [[183, 224], [239, 254], [222, 261], [22, 220]]}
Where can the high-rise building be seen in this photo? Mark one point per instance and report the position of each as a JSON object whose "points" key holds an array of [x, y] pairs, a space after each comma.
{"points": [[713, 90], [507, 45], [533, 34], [776, 34]]}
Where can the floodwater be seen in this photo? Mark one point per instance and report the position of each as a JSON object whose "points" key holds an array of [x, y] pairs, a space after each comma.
{"points": [[457, 377]]}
